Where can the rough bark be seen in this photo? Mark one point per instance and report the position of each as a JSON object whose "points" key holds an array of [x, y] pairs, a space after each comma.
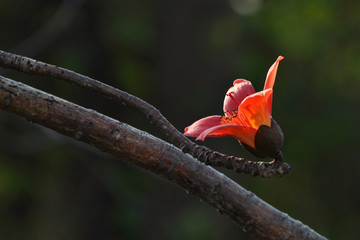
{"points": [[243, 207]]}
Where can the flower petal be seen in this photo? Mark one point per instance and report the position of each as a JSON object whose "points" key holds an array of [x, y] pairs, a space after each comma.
{"points": [[195, 129], [255, 110], [242, 133], [270, 77], [237, 93]]}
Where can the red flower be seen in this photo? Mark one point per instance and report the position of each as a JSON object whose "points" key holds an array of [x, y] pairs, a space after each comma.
{"points": [[247, 117]]}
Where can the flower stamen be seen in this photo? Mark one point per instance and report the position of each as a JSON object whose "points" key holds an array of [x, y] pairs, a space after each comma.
{"points": [[230, 94], [231, 118]]}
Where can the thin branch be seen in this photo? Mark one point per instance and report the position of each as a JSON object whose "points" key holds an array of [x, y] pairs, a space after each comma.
{"points": [[247, 210], [203, 154]]}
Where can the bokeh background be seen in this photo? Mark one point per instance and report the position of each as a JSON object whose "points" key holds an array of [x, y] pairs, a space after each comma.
{"points": [[182, 56]]}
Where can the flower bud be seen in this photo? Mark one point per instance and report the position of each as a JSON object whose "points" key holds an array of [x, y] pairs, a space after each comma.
{"points": [[268, 141]]}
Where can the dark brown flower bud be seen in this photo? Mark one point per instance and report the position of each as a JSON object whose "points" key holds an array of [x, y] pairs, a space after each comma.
{"points": [[268, 141]]}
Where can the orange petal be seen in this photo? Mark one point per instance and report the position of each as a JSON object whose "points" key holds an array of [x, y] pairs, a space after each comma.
{"points": [[243, 134], [270, 77], [255, 110]]}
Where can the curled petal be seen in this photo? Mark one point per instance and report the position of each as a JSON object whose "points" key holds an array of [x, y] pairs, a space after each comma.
{"points": [[270, 77], [237, 93], [242, 133], [195, 129], [255, 110]]}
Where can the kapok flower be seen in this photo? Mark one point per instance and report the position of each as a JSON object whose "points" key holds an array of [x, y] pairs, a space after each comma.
{"points": [[247, 117]]}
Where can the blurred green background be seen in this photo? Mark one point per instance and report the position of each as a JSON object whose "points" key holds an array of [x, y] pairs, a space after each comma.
{"points": [[182, 56]]}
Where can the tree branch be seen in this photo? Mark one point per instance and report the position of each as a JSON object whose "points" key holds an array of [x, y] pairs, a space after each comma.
{"points": [[244, 208], [203, 154]]}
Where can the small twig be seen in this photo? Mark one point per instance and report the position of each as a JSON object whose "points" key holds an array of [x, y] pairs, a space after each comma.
{"points": [[213, 158], [203, 154], [255, 216]]}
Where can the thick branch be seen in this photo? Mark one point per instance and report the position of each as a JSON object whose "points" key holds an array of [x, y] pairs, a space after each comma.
{"points": [[251, 213], [203, 154]]}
